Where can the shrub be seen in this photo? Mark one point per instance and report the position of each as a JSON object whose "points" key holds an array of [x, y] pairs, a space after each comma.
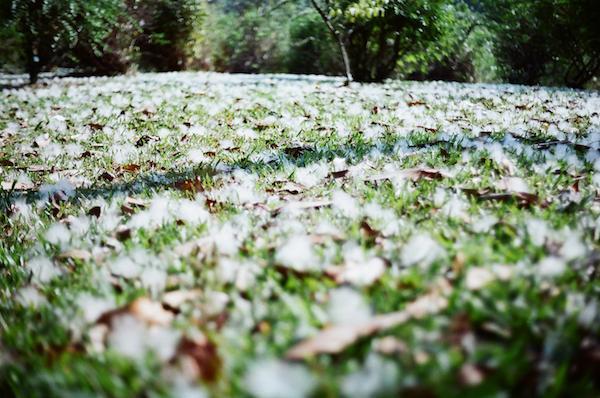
{"points": [[312, 49], [547, 41], [166, 32]]}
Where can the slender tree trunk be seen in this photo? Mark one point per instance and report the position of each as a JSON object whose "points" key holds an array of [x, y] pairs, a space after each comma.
{"points": [[338, 38], [33, 62]]}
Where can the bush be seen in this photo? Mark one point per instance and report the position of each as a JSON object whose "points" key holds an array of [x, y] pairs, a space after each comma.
{"points": [[461, 53], [547, 41], [312, 49], [250, 42], [56, 32], [166, 32]]}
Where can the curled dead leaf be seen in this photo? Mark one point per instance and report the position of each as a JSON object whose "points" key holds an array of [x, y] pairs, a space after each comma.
{"points": [[142, 308], [176, 298], [95, 211], [192, 185], [131, 167], [75, 254], [339, 174], [334, 339], [205, 362], [130, 205], [107, 176], [414, 174], [17, 186]]}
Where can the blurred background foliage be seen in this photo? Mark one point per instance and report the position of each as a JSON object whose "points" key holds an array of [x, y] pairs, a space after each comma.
{"points": [[552, 42]]}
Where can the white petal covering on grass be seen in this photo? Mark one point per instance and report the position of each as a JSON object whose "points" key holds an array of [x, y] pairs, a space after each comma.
{"points": [[273, 378], [43, 269], [297, 253], [421, 250], [346, 306], [291, 214]]}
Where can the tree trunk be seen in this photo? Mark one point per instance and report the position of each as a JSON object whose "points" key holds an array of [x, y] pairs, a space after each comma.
{"points": [[33, 64], [339, 39]]}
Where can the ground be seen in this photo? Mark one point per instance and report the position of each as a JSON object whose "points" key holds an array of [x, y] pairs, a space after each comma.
{"points": [[192, 235]]}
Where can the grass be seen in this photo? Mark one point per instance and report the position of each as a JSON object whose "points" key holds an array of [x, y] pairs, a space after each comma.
{"points": [[116, 189]]}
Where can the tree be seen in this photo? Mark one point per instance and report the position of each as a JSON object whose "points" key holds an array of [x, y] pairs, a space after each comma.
{"points": [[546, 41], [49, 29], [372, 35]]}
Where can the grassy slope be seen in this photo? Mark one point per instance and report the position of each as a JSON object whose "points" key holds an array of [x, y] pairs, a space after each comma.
{"points": [[214, 159]]}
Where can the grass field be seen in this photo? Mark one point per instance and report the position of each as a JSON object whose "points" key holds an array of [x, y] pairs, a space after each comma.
{"points": [[195, 235]]}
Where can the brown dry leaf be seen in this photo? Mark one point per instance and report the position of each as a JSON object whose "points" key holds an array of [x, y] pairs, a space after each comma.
{"points": [[339, 174], [335, 339], [95, 126], [368, 231], [107, 176], [414, 174], [290, 187], [205, 362], [38, 168], [150, 311], [143, 140], [193, 185], [75, 254], [144, 309], [95, 211], [296, 151], [123, 233], [416, 103], [131, 167], [17, 186], [130, 205], [523, 199]]}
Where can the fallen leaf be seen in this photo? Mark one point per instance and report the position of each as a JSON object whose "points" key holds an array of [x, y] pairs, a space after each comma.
{"points": [[75, 254], [303, 205], [416, 103], [143, 140], [131, 167], [415, 174], [130, 205], [193, 185], [296, 151], [95, 126], [107, 176], [123, 233], [290, 187], [175, 299], [142, 308], [95, 211], [368, 231], [339, 174], [205, 360], [17, 186], [335, 339]]}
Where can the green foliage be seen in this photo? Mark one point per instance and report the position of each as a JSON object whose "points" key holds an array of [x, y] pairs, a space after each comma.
{"points": [[246, 42], [311, 49], [461, 53], [378, 33], [50, 30], [101, 36], [167, 32], [547, 41]]}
